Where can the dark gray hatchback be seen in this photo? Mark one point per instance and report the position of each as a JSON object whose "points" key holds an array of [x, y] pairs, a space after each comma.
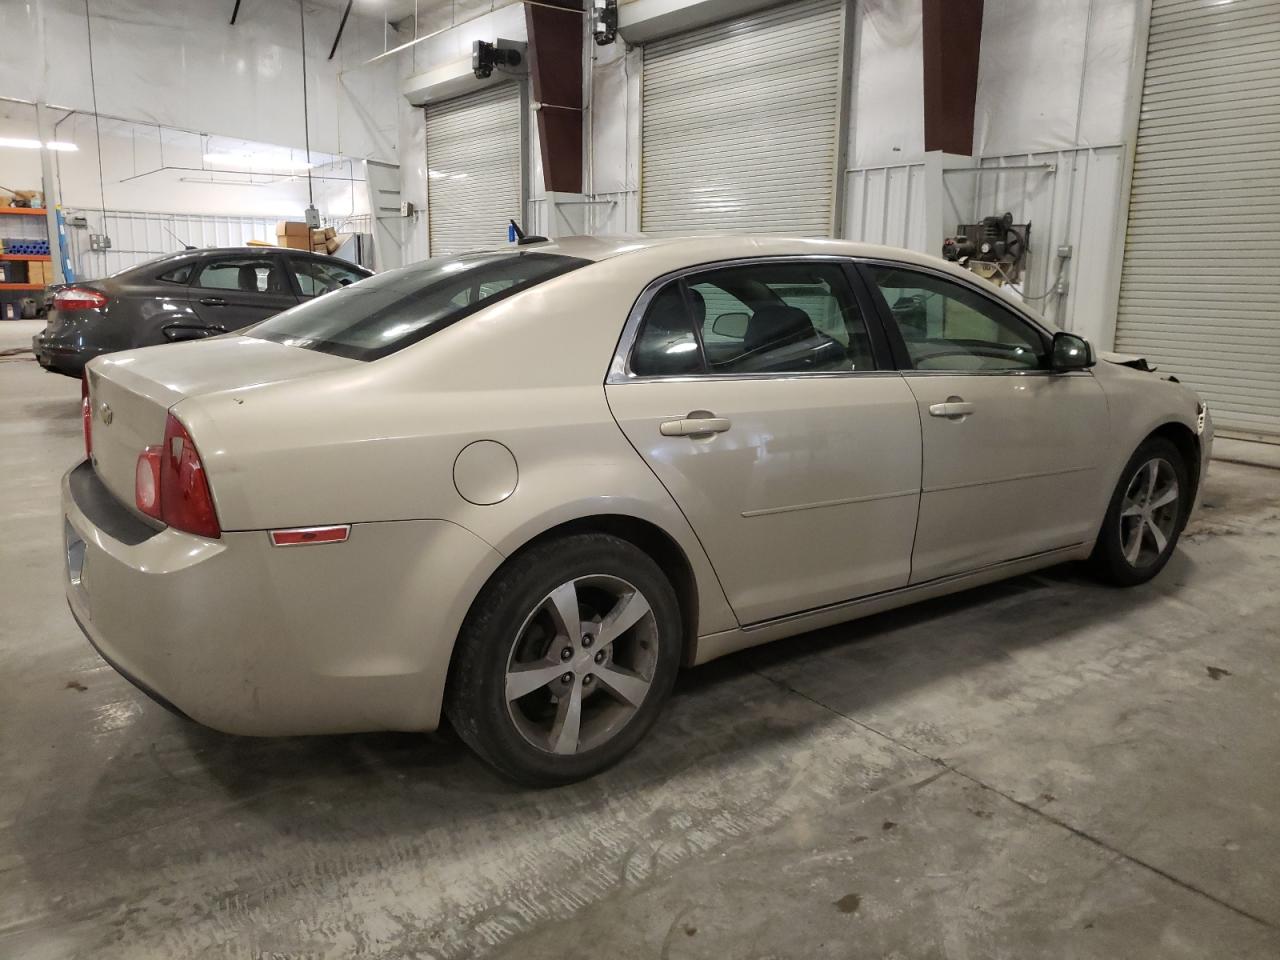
{"points": [[187, 296]]}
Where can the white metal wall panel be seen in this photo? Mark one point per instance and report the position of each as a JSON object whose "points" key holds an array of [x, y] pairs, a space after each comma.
{"points": [[739, 123], [1200, 291], [138, 237], [473, 169]]}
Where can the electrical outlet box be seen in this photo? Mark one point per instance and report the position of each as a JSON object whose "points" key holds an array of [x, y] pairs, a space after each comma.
{"points": [[1065, 251], [99, 242]]}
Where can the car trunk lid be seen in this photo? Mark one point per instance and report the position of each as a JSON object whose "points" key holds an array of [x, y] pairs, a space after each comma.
{"points": [[131, 393]]}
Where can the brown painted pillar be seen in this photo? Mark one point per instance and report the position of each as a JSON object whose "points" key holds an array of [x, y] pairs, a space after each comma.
{"points": [[555, 66], [952, 39]]}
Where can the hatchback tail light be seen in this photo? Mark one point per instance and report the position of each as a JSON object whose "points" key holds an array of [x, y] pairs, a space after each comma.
{"points": [[86, 416], [78, 298], [170, 484]]}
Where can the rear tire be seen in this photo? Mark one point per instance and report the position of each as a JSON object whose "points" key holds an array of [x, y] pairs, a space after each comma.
{"points": [[565, 659], [1145, 518]]}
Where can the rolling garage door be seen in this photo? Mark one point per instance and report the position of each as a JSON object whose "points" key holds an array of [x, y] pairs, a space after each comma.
{"points": [[740, 123], [1200, 291], [473, 169]]}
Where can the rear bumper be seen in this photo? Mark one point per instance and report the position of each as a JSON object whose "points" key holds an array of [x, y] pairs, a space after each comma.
{"points": [[63, 355], [253, 639]]}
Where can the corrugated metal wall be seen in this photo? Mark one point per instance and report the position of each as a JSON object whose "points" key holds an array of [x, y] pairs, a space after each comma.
{"points": [[138, 237], [1073, 203]]}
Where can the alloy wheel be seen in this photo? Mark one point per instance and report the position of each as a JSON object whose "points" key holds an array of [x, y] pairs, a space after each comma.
{"points": [[1149, 512], [581, 664]]}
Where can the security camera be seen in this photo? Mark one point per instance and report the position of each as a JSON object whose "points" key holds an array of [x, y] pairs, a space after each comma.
{"points": [[486, 56]]}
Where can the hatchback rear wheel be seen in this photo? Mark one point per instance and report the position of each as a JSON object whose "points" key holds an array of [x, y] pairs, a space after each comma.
{"points": [[565, 659]]}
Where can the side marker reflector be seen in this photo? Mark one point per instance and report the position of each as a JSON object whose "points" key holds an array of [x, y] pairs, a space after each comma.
{"points": [[302, 536]]}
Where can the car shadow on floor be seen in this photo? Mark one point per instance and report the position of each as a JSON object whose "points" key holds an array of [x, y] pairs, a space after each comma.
{"points": [[709, 721]]}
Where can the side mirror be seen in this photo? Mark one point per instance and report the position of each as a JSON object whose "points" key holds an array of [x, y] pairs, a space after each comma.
{"points": [[732, 325], [1070, 352]]}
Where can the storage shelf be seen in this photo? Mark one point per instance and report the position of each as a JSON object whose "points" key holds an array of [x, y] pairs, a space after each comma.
{"points": [[30, 257], [23, 211], [21, 286]]}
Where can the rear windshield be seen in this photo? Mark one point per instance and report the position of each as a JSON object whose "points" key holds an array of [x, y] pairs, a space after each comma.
{"points": [[387, 312]]}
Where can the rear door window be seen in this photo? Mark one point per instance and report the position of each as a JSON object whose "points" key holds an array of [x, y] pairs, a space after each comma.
{"points": [[389, 311], [245, 274], [792, 316]]}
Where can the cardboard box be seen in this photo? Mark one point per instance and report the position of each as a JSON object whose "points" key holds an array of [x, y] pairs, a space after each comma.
{"points": [[330, 233], [317, 236], [293, 242], [335, 242], [293, 228]]}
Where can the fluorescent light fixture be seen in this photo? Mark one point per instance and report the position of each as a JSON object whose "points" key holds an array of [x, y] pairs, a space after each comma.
{"points": [[222, 183], [265, 160], [20, 143]]}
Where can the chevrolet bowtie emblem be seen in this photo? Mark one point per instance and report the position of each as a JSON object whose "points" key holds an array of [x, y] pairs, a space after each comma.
{"points": [[105, 414]]}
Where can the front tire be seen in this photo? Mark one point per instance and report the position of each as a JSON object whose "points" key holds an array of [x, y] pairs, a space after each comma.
{"points": [[565, 659], [1145, 518]]}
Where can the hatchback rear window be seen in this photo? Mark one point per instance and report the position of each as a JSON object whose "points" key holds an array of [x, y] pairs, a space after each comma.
{"points": [[389, 311]]}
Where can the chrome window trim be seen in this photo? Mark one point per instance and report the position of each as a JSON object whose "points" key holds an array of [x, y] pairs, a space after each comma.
{"points": [[620, 368]]}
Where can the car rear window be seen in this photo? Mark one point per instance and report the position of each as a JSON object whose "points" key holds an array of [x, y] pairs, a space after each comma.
{"points": [[389, 311]]}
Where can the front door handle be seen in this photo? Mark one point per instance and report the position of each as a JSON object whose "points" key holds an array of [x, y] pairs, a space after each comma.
{"points": [[955, 408], [696, 424], [213, 301]]}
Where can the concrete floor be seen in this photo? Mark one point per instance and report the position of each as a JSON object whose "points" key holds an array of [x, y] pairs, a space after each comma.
{"points": [[1045, 767]]}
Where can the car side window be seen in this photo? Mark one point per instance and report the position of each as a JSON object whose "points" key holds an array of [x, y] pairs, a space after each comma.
{"points": [[316, 277], [947, 326], [180, 274], [791, 316], [247, 274], [666, 345]]}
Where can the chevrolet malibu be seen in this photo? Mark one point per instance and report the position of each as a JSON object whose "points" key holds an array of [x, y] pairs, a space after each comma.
{"points": [[522, 489]]}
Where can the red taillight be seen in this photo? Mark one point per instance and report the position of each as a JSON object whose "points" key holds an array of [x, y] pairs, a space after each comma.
{"points": [[170, 484], [86, 416], [78, 298]]}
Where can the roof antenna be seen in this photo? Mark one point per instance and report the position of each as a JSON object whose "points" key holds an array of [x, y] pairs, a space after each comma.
{"points": [[185, 245], [520, 237]]}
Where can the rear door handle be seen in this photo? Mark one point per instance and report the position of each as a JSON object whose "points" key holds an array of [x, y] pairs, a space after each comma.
{"points": [[693, 426], [213, 301], [955, 408]]}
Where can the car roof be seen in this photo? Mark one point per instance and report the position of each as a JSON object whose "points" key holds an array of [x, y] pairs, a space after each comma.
{"points": [[178, 255], [707, 248]]}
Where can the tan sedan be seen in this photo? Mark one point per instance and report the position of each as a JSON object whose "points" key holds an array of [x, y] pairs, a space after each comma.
{"points": [[523, 488]]}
